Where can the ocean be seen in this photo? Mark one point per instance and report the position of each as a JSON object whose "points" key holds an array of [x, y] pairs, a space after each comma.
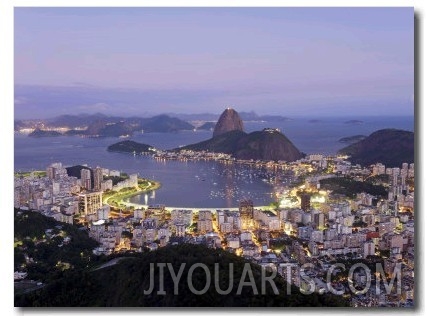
{"points": [[197, 184]]}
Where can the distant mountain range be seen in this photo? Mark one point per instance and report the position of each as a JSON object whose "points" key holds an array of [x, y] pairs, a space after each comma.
{"points": [[101, 125], [391, 147], [105, 126], [245, 116], [229, 138]]}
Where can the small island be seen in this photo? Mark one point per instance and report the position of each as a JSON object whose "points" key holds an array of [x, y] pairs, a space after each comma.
{"points": [[130, 146], [354, 122]]}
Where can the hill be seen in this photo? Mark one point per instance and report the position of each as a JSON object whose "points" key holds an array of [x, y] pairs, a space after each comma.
{"points": [[165, 124], [268, 144], [129, 146], [252, 116], [43, 133], [350, 188], [115, 127], [123, 284], [45, 248], [99, 125], [79, 120], [391, 147]]}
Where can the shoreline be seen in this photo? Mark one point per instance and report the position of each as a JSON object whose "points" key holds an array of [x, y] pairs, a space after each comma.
{"points": [[196, 209], [154, 185]]}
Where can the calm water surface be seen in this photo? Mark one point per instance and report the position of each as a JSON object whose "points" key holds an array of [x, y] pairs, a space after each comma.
{"points": [[195, 184]]}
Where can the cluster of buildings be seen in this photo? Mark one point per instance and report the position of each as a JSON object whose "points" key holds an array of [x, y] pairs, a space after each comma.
{"points": [[54, 195], [360, 229], [190, 155], [185, 155], [310, 226], [65, 197]]}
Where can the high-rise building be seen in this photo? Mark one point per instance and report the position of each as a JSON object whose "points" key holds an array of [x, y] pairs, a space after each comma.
{"points": [[103, 212], [56, 165], [86, 179], [157, 211], [133, 180], [97, 178], [246, 210], [56, 187], [204, 224], [51, 172], [305, 201], [180, 229], [318, 218], [89, 203], [107, 185], [205, 215], [368, 249], [182, 216]]}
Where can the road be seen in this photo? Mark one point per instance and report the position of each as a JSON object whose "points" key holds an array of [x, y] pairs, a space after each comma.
{"points": [[111, 263]]}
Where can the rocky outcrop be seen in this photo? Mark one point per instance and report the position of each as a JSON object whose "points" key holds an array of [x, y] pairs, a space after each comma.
{"points": [[227, 122], [229, 138]]}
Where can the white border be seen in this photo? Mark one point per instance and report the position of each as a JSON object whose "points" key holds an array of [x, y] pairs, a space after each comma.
{"points": [[6, 117], [209, 3]]}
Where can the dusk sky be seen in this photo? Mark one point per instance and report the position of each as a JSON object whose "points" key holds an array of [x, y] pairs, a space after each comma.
{"points": [[287, 61]]}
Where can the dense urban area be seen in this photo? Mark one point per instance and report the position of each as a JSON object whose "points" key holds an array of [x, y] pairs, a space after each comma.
{"points": [[330, 216]]}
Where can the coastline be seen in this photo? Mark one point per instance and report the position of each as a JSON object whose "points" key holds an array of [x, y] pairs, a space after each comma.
{"points": [[119, 198], [156, 186], [36, 173]]}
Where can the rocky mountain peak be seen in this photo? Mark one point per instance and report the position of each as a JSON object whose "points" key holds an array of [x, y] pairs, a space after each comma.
{"points": [[227, 122]]}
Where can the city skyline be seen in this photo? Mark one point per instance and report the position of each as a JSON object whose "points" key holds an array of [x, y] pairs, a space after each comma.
{"points": [[287, 61]]}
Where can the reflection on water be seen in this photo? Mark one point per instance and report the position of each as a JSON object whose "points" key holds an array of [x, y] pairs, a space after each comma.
{"points": [[196, 184], [212, 184], [186, 184]]}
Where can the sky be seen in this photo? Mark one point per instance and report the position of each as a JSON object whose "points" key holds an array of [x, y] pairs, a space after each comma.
{"points": [[283, 61]]}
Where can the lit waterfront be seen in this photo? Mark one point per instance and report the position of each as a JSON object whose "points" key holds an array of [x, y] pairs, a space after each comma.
{"points": [[193, 209], [179, 179]]}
